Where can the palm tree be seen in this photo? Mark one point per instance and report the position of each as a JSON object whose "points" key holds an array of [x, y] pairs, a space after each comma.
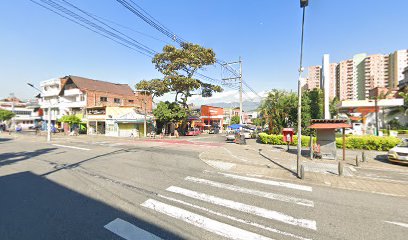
{"points": [[279, 110]]}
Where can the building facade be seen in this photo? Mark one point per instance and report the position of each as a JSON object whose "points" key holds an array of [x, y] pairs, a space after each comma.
{"points": [[313, 78], [398, 61], [355, 77], [88, 99], [27, 113], [376, 73]]}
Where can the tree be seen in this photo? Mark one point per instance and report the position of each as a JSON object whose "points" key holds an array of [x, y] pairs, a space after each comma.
{"points": [[235, 120], [258, 122], [178, 67], [279, 110], [166, 112], [6, 115], [334, 111], [70, 119], [155, 87]]}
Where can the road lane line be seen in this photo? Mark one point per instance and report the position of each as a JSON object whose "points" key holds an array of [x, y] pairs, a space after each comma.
{"points": [[235, 219], [129, 231], [352, 169], [262, 212], [398, 223], [272, 196], [66, 146], [269, 182], [205, 223]]}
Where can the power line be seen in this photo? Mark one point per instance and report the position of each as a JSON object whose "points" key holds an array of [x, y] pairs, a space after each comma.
{"points": [[149, 19], [94, 27]]}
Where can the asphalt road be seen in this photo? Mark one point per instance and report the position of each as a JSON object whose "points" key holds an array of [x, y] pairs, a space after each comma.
{"points": [[163, 191]]}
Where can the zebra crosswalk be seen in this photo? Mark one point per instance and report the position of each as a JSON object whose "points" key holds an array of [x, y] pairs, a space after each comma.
{"points": [[219, 204]]}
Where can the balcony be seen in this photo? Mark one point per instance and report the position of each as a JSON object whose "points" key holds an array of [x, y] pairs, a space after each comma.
{"points": [[72, 92]]}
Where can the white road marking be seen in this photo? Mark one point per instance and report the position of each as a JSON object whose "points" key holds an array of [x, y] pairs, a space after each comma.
{"points": [[129, 231], [398, 223], [66, 146], [205, 223], [220, 165], [388, 194], [273, 196], [269, 182], [230, 153], [352, 169], [235, 219], [262, 212], [383, 179]]}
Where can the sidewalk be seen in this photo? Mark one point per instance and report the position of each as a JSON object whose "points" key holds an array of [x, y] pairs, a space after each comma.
{"points": [[275, 162]]}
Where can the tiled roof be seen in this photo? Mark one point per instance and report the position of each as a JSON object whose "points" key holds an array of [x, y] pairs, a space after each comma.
{"points": [[101, 86]]}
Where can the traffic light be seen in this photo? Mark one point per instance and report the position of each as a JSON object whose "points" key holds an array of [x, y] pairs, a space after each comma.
{"points": [[304, 3]]}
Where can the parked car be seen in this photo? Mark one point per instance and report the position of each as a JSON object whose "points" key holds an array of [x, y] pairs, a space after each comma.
{"points": [[193, 132], [230, 136], [247, 133], [399, 153]]}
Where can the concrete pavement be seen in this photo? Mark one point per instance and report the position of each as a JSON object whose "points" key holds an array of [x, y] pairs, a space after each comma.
{"points": [[120, 189]]}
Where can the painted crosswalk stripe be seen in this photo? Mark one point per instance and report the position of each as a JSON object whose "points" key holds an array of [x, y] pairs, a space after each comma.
{"points": [[268, 195], [205, 223], [235, 218], [269, 182], [262, 212], [129, 231], [67, 146], [398, 223]]}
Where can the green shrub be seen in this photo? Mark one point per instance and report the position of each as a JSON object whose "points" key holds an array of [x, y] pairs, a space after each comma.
{"points": [[352, 142], [369, 142], [278, 139]]}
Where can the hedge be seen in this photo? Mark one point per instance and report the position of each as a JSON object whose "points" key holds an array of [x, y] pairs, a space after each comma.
{"points": [[278, 140], [352, 142], [369, 142], [400, 131]]}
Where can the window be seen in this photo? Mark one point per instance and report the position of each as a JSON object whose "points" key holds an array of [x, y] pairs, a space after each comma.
{"points": [[82, 98], [104, 99], [116, 100], [131, 101]]}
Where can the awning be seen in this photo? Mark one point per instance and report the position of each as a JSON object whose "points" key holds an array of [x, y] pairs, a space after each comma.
{"points": [[329, 125]]}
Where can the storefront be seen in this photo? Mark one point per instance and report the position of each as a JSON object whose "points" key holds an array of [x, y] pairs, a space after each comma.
{"points": [[212, 116], [130, 124]]}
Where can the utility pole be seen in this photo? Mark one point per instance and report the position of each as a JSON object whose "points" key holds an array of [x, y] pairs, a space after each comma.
{"points": [[240, 91], [145, 111], [303, 4], [236, 77], [377, 130]]}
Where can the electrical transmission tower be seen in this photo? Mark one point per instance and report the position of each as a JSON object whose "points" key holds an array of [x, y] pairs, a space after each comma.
{"points": [[235, 77]]}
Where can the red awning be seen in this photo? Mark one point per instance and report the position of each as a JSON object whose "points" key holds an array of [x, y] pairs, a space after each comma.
{"points": [[329, 125]]}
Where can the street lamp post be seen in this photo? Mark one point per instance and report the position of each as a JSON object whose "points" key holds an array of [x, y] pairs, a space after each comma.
{"points": [[49, 113], [145, 112], [303, 4]]}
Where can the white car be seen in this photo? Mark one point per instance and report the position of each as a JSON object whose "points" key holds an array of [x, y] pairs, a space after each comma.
{"points": [[399, 153]]}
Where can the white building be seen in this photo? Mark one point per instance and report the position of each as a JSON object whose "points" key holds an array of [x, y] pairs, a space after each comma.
{"points": [[69, 100], [26, 113]]}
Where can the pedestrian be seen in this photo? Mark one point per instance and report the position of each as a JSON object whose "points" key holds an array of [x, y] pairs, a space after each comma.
{"points": [[176, 133]]}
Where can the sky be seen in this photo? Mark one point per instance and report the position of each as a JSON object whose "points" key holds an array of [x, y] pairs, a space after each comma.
{"points": [[36, 44]]}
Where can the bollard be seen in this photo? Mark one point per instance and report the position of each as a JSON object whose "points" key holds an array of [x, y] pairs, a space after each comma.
{"points": [[357, 162], [363, 157], [302, 172], [340, 168]]}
